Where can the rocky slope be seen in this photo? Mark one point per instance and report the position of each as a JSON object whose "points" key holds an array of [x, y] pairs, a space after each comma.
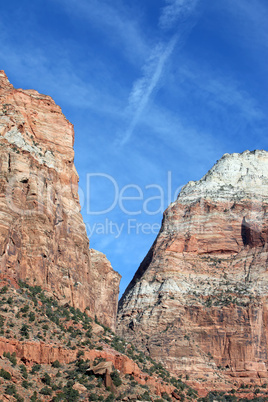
{"points": [[198, 302], [56, 353], [42, 234]]}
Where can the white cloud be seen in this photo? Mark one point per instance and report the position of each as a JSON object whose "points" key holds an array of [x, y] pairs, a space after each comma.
{"points": [[154, 66], [124, 30], [61, 80], [143, 87], [176, 10], [223, 90]]}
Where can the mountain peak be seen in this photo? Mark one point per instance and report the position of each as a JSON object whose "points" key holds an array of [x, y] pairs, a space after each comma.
{"points": [[234, 176], [199, 299]]}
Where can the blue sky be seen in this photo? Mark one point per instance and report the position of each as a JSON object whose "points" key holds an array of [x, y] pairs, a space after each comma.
{"points": [[157, 90]]}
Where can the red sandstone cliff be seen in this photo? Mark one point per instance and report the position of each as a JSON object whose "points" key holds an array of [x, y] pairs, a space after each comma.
{"points": [[198, 302], [42, 234], [38, 352]]}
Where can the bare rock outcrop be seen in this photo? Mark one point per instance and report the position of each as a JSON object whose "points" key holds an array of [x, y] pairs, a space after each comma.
{"points": [[198, 302], [106, 288], [41, 353], [43, 238]]}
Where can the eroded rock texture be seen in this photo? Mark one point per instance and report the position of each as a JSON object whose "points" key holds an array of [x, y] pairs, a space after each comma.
{"points": [[43, 238], [41, 353], [198, 302]]}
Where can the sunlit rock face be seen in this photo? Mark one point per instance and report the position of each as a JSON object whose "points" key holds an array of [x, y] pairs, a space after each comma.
{"points": [[198, 302], [43, 238]]}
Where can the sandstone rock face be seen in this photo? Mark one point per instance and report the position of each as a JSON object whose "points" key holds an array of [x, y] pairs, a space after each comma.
{"points": [[106, 288], [43, 238], [41, 353], [198, 302]]}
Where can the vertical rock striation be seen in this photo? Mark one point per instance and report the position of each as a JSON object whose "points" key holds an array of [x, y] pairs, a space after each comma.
{"points": [[106, 288], [43, 238], [198, 302]]}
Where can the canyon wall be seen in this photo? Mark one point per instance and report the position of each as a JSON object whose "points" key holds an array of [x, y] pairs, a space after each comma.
{"points": [[198, 302], [43, 238]]}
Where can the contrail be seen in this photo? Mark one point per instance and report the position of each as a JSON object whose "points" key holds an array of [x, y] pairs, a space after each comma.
{"points": [[176, 10], [144, 87]]}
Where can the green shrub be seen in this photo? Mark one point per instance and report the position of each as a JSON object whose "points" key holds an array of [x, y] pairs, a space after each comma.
{"points": [[118, 345], [71, 394], [56, 364], [80, 353], [59, 397], [31, 316], [110, 398], [146, 396], [46, 391], [2, 321], [26, 384], [25, 330], [5, 374], [25, 309], [89, 333], [93, 397], [166, 397], [23, 371], [11, 357], [4, 290], [82, 366], [35, 290], [11, 389], [35, 368], [34, 397], [116, 378], [46, 379]]}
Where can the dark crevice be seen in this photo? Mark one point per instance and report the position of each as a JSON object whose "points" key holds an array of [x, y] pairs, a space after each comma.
{"points": [[24, 181], [9, 163], [245, 232], [250, 234]]}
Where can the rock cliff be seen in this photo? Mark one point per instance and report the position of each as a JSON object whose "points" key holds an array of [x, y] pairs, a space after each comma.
{"points": [[198, 302], [43, 238], [38, 336]]}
